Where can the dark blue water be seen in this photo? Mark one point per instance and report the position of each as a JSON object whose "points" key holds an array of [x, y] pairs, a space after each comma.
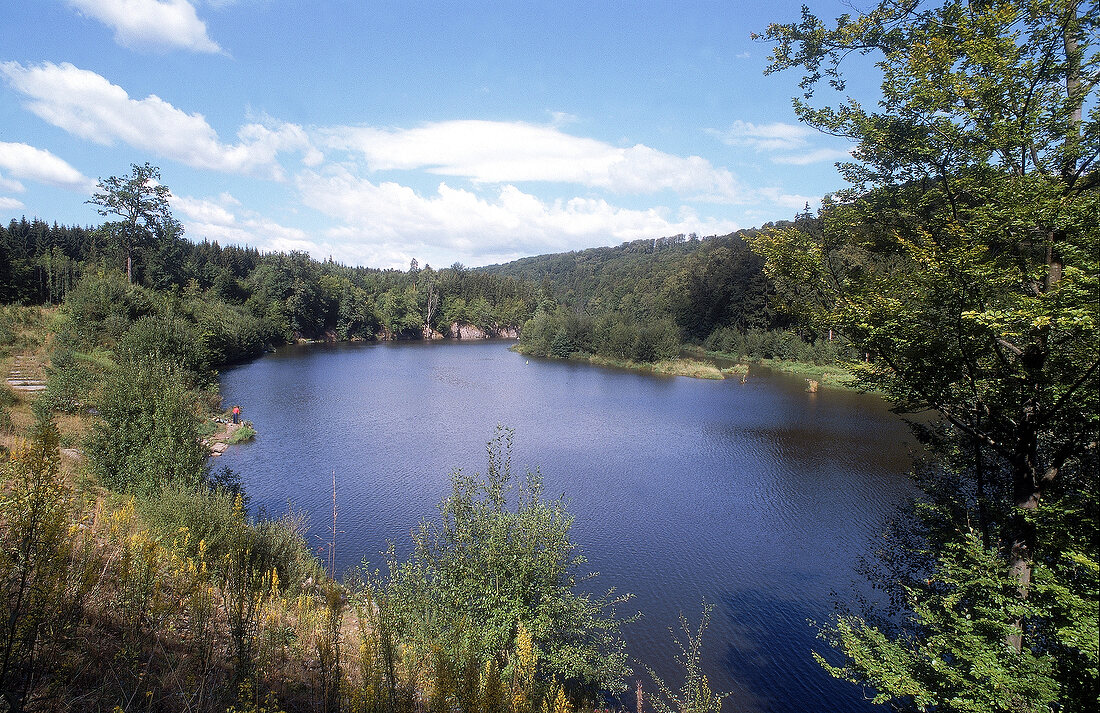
{"points": [[755, 497]]}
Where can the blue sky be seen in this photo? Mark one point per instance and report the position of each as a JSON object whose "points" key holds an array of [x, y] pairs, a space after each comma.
{"points": [[377, 132]]}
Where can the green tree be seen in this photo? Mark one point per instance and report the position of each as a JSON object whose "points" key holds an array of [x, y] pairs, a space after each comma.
{"points": [[147, 432], [481, 572], [140, 201], [965, 259], [35, 543]]}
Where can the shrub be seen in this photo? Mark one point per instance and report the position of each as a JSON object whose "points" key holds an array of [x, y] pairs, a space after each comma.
{"points": [[695, 695], [216, 517], [243, 434], [36, 542], [481, 572], [147, 434], [69, 382]]}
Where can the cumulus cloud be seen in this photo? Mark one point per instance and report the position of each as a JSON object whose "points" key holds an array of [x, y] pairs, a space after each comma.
{"points": [[511, 152], [458, 224], [779, 137], [87, 105], [21, 161], [150, 24], [10, 203], [222, 219]]}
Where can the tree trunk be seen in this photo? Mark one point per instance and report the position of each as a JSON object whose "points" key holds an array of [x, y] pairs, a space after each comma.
{"points": [[1027, 479], [1025, 498]]}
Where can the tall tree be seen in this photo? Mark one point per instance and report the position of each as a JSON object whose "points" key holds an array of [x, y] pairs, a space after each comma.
{"points": [[140, 201], [965, 255]]}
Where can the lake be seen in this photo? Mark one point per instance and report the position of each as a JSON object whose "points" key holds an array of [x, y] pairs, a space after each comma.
{"points": [[755, 497]]}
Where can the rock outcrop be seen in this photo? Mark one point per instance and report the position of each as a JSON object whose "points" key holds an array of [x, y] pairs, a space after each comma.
{"points": [[463, 330]]}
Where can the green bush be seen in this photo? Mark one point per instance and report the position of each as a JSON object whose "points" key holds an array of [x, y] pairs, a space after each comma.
{"points": [[7, 333], [217, 518], [481, 572], [164, 338], [243, 434], [537, 334], [147, 432], [69, 381]]}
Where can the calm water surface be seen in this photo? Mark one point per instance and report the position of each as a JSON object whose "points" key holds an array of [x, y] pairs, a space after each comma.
{"points": [[755, 497]]}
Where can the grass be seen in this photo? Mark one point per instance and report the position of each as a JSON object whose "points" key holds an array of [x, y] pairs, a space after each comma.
{"points": [[692, 368], [688, 367], [243, 434], [100, 357], [697, 364], [827, 374], [695, 368], [156, 581]]}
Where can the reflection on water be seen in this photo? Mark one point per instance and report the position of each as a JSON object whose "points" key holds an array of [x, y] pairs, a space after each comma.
{"points": [[755, 497]]}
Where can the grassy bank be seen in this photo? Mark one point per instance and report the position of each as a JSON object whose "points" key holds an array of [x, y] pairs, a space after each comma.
{"points": [[699, 363], [690, 367], [834, 375], [173, 600]]}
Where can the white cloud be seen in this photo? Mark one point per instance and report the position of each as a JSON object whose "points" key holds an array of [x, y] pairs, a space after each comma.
{"points": [[787, 200], [389, 219], [10, 203], [511, 152], [11, 185], [779, 137], [814, 156], [561, 118], [33, 164], [766, 137], [150, 24], [89, 106], [203, 210], [218, 219]]}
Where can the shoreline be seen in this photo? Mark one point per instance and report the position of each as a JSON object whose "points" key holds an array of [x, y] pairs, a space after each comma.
{"points": [[698, 363], [831, 375], [691, 368]]}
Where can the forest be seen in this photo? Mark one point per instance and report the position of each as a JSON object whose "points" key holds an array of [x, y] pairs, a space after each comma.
{"points": [[647, 300], [958, 275], [281, 296], [640, 302]]}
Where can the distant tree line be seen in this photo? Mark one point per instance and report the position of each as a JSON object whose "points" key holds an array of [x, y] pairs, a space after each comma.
{"points": [[267, 298], [643, 300]]}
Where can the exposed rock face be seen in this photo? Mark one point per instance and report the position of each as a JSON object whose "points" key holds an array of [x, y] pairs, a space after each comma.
{"points": [[460, 330], [463, 330], [456, 330]]}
